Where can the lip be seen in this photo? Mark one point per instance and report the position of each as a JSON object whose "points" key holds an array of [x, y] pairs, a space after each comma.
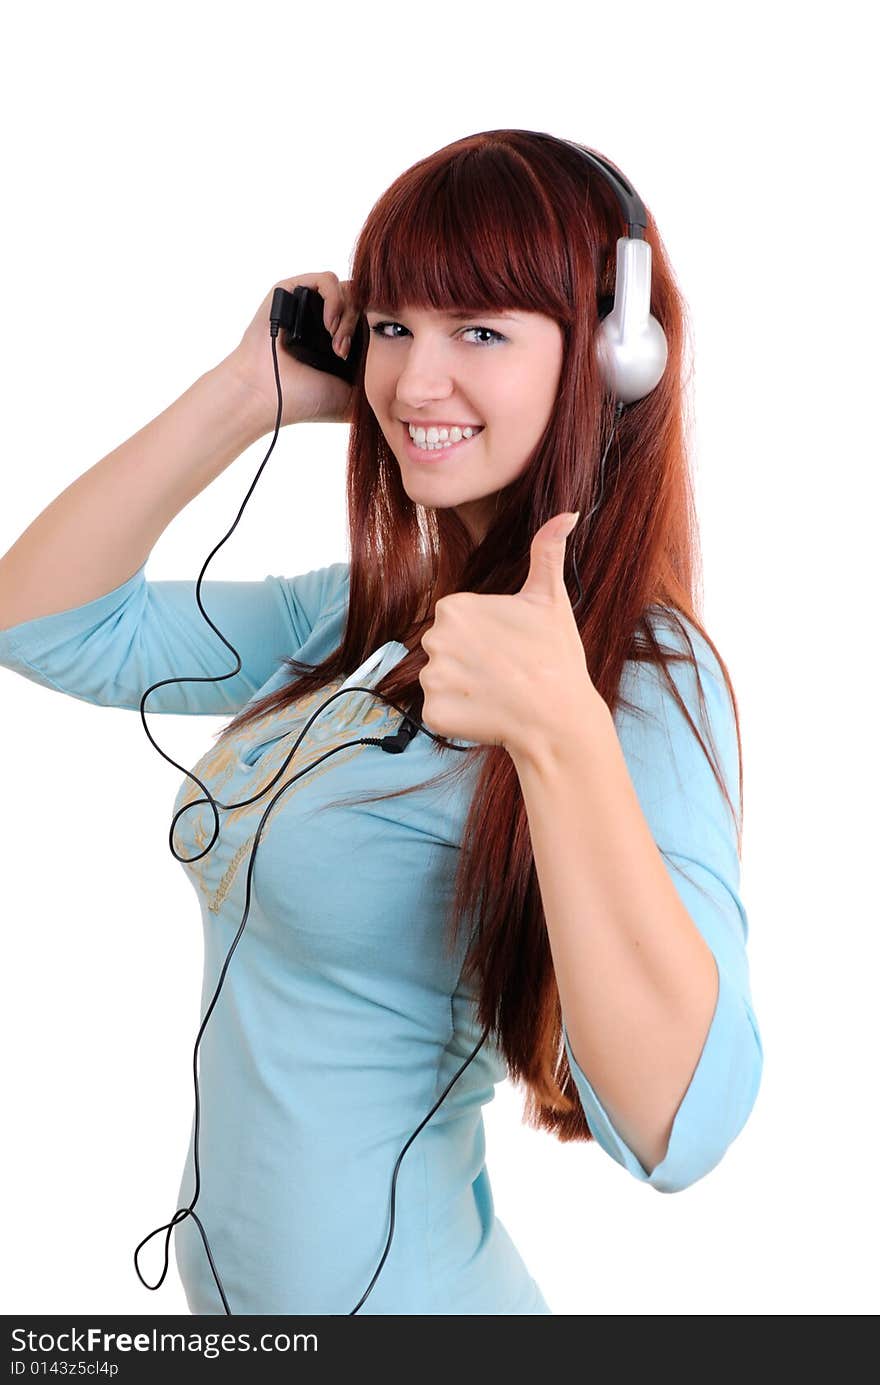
{"points": [[440, 454], [440, 423]]}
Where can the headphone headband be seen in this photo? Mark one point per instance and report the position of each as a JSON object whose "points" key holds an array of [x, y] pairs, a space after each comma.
{"points": [[631, 205]]}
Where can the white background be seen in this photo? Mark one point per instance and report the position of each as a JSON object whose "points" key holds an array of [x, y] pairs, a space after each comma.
{"points": [[164, 166]]}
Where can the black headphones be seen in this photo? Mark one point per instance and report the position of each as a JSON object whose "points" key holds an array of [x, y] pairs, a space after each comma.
{"points": [[632, 351]]}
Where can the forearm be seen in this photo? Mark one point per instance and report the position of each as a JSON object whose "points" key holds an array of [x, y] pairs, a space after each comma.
{"points": [[101, 529], [637, 983]]}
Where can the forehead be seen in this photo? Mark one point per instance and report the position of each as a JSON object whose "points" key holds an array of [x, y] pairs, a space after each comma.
{"points": [[451, 315]]}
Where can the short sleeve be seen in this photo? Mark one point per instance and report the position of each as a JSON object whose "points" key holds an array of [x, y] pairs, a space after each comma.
{"points": [[110, 650], [694, 829]]}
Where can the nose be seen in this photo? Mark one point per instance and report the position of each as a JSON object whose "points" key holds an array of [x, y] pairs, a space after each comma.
{"points": [[424, 376]]}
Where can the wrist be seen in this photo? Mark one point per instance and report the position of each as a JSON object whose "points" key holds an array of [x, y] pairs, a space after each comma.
{"points": [[546, 741], [250, 404]]}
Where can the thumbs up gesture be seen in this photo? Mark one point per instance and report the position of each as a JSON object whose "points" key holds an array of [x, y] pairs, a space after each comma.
{"points": [[501, 669]]}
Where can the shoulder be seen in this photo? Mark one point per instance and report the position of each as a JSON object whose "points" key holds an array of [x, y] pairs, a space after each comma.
{"points": [[663, 713], [667, 645], [318, 592]]}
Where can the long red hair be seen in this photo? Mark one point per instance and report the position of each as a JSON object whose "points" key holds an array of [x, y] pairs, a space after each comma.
{"points": [[506, 219]]}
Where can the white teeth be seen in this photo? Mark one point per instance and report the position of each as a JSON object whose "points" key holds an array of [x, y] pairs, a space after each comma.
{"points": [[431, 439]]}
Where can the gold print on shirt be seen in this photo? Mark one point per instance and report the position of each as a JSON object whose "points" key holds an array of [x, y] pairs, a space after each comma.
{"points": [[344, 719]]}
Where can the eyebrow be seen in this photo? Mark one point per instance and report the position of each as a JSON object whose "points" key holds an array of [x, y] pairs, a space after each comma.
{"points": [[457, 316]]}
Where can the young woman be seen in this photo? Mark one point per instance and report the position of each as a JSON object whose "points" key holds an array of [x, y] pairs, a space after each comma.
{"points": [[555, 858]]}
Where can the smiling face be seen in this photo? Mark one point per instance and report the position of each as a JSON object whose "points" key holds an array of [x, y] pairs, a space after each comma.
{"points": [[498, 372]]}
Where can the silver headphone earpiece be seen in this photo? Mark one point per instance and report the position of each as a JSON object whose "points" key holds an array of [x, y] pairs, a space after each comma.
{"points": [[631, 344]]}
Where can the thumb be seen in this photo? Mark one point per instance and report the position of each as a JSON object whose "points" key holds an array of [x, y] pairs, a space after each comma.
{"points": [[546, 571]]}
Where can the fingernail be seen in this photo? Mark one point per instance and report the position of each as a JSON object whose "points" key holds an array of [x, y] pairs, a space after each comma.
{"points": [[346, 343]]}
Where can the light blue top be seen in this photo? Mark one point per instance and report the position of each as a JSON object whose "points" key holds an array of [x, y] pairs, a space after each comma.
{"points": [[342, 1016]]}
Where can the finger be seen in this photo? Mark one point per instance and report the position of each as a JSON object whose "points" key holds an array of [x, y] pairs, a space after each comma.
{"points": [[348, 317], [326, 283]]}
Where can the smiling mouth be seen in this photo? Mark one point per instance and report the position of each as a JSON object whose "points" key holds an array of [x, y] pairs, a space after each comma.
{"points": [[439, 450]]}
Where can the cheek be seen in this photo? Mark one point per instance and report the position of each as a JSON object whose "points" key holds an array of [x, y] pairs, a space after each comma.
{"points": [[526, 392], [374, 384], [523, 423], [380, 389], [505, 456], [369, 383]]}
